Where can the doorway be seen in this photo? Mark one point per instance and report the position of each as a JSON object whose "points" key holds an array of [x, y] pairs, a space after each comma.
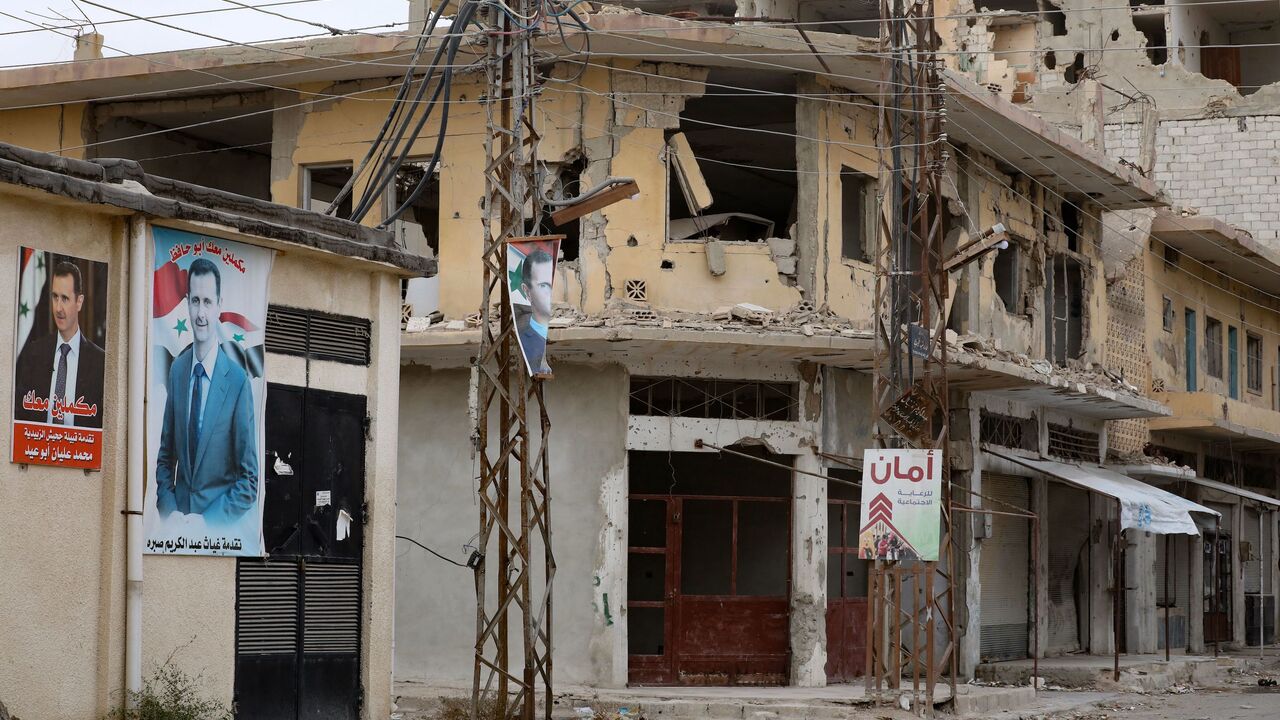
{"points": [[1217, 586], [1005, 571], [846, 582], [298, 613], [708, 569]]}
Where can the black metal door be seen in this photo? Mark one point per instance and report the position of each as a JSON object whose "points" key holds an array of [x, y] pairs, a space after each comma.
{"points": [[298, 613]]}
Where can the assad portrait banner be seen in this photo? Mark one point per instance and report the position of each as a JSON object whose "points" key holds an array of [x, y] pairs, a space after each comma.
{"points": [[206, 396], [531, 269], [60, 346]]}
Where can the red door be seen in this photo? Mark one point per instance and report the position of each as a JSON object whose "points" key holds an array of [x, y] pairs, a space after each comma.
{"points": [[708, 571], [846, 585]]}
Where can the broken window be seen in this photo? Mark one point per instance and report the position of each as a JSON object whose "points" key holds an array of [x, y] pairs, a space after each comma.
{"points": [[732, 173], [857, 215], [1151, 23], [417, 229], [1070, 443], [567, 183], [1213, 347], [218, 141], [321, 185], [1253, 362], [1008, 276], [707, 398], [1234, 42], [1166, 313], [1064, 308]]}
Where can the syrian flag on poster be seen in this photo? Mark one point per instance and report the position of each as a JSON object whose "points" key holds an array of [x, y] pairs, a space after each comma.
{"points": [[171, 325], [31, 287]]}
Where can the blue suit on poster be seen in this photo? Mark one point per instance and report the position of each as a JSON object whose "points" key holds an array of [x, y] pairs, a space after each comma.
{"points": [[221, 483]]}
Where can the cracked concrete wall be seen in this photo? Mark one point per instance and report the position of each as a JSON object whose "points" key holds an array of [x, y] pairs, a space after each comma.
{"points": [[435, 604], [49, 129]]}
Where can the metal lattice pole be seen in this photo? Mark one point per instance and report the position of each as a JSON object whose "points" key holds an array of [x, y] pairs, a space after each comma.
{"points": [[501, 396], [911, 299]]}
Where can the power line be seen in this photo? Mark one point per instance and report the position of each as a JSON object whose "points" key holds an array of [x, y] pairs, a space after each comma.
{"points": [[165, 16], [433, 552]]}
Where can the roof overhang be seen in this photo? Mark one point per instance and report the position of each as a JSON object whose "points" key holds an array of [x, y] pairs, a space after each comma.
{"points": [[1142, 506], [1222, 246], [1228, 489], [456, 348], [1012, 381]]}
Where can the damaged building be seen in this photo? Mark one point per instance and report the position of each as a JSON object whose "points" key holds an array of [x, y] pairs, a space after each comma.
{"points": [[712, 337]]}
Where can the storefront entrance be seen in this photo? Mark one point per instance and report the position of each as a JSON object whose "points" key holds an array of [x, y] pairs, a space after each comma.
{"points": [[708, 569], [846, 583]]}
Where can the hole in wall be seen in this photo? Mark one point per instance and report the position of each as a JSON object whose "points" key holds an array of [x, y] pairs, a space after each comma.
{"points": [[1115, 35], [1152, 30], [1057, 21], [1075, 73], [632, 242], [1050, 60], [668, 265]]}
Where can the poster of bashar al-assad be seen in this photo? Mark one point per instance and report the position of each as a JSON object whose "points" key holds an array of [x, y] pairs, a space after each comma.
{"points": [[531, 269], [206, 396], [60, 346]]}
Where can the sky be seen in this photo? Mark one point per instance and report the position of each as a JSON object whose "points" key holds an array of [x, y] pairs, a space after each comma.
{"points": [[21, 43]]}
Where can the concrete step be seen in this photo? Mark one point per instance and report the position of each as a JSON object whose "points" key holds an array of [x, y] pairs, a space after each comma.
{"points": [[974, 701]]}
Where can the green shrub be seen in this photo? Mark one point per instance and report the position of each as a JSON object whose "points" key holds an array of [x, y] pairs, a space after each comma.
{"points": [[170, 694]]}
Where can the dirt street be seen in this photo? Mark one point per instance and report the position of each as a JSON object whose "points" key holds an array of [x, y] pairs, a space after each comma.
{"points": [[1229, 703]]}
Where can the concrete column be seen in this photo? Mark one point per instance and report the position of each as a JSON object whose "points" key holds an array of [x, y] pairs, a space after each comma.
{"points": [[1237, 576], [809, 574], [1142, 619], [608, 641], [1195, 606], [1040, 506], [967, 472], [1101, 575], [1272, 572]]}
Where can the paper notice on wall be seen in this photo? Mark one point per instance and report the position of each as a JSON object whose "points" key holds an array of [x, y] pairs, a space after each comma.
{"points": [[344, 525], [324, 498]]}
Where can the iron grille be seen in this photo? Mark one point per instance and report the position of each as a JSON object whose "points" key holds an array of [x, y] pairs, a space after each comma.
{"points": [[332, 616], [718, 399], [1008, 431], [1071, 443], [317, 335], [267, 608]]}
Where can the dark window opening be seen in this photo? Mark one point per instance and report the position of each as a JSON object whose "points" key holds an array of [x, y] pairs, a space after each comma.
{"points": [[1064, 308], [568, 184], [1166, 313], [1171, 257], [222, 141], [321, 185], [1191, 348], [722, 399], [1008, 276], [733, 173], [1213, 347], [846, 573], [1071, 443], [1233, 363], [1181, 457], [858, 214], [1151, 25], [1253, 362], [418, 227], [1008, 431], [1057, 22], [1071, 225]]}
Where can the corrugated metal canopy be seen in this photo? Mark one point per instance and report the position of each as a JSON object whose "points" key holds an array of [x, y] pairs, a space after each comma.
{"points": [[1142, 506]]}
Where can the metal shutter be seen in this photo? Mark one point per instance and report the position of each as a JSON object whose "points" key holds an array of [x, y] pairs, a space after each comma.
{"points": [[1252, 535], [1179, 586], [266, 608], [332, 622], [1004, 571], [1067, 524]]}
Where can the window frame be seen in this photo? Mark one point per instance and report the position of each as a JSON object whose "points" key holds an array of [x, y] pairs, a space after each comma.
{"points": [[1213, 337], [867, 203], [1253, 362]]}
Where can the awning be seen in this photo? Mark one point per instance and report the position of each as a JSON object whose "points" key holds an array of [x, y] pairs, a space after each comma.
{"points": [[1142, 506], [1247, 494]]}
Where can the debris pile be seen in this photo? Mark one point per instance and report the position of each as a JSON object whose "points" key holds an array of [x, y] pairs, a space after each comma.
{"points": [[1075, 371]]}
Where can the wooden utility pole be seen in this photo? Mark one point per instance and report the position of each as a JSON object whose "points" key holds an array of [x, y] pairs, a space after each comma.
{"points": [[513, 559]]}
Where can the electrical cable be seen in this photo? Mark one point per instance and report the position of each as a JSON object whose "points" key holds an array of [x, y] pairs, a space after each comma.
{"points": [[433, 552], [80, 26]]}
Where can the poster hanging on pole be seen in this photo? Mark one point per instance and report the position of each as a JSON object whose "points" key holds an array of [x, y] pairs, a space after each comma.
{"points": [[60, 344], [206, 396], [901, 515], [531, 271]]}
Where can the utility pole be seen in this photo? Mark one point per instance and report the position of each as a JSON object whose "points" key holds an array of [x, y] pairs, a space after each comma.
{"points": [[517, 565], [911, 352]]}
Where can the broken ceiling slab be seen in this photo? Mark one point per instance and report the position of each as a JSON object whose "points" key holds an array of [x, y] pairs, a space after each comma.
{"points": [[726, 227], [444, 348], [1008, 380], [1224, 247]]}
